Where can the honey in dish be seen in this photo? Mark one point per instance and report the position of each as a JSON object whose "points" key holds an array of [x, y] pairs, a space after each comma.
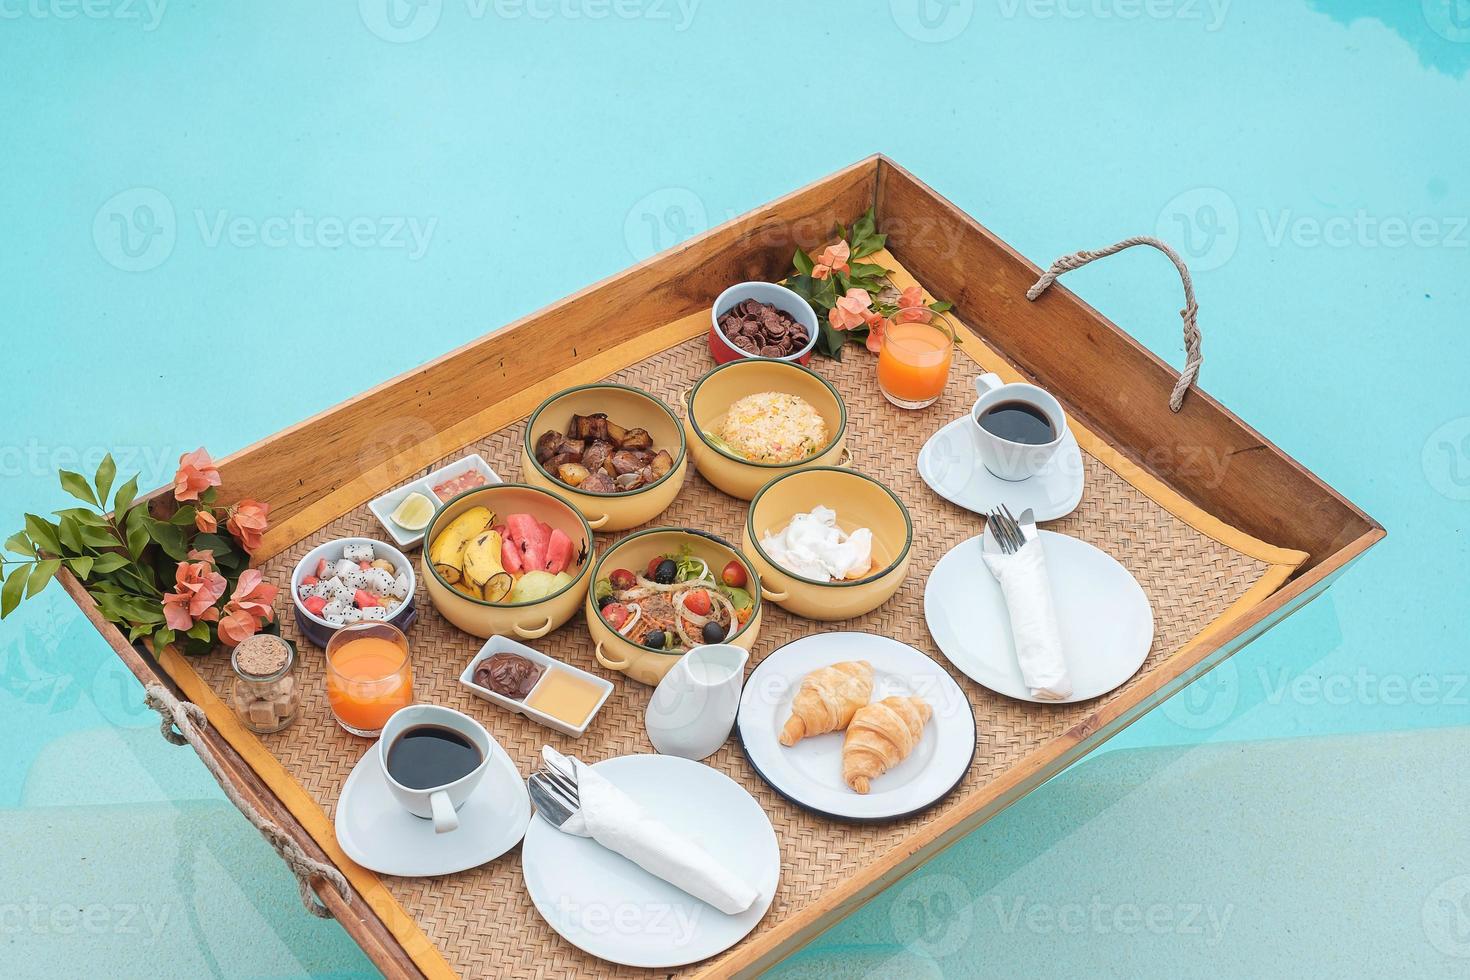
{"points": [[565, 697]]}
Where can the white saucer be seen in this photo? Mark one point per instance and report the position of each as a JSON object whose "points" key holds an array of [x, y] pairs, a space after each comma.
{"points": [[809, 773], [606, 905], [382, 836], [950, 464], [1106, 624]]}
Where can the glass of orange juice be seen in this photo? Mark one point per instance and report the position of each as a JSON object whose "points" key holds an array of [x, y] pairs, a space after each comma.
{"points": [[368, 676], [913, 362]]}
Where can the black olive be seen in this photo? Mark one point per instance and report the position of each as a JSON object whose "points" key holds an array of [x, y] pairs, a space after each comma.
{"points": [[713, 632], [664, 574], [655, 639], [604, 602]]}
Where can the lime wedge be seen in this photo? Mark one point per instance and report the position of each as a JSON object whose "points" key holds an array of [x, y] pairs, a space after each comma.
{"points": [[414, 513]]}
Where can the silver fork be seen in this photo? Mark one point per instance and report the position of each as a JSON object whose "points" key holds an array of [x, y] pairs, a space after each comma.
{"points": [[549, 803], [1006, 530]]}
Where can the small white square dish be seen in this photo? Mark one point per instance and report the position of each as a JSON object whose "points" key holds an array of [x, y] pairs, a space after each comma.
{"points": [[540, 692], [383, 507]]}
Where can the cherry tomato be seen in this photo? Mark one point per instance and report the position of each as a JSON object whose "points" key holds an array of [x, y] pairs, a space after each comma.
{"points": [[616, 614], [653, 564], [697, 602], [734, 575], [621, 578]]}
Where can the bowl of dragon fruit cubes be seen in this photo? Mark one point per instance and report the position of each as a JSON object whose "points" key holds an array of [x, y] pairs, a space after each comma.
{"points": [[352, 580]]}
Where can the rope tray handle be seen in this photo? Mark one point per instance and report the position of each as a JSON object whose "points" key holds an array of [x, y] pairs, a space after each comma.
{"points": [[181, 722], [1192, 356]]}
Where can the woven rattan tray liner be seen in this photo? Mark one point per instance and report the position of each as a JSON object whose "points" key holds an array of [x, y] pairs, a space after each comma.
{"points": [[482, 923]]}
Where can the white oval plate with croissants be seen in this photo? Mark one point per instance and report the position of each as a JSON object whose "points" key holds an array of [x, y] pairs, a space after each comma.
{"points": [[907, 753]]}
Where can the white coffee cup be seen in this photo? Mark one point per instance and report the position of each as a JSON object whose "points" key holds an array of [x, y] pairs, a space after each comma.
{"points": [[437, 803], [1014, 461]]}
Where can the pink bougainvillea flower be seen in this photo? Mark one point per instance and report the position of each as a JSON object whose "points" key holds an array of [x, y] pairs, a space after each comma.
{"points": [[197, 587], [196, 474], [833, 259], [205, 521], [851, 310], [911, 307], [875, 335], [249, 608], [247, 522]]}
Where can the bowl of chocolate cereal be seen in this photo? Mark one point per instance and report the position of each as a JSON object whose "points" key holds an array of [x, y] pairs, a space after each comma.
{"points": [[762, 319]]}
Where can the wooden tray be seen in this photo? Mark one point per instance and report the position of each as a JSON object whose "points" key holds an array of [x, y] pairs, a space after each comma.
{"points": [[1224, 552]]}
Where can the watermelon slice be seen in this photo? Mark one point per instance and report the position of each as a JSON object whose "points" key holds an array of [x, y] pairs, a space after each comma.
{"points": [[510, 557], [559, 552], [530, 536]]}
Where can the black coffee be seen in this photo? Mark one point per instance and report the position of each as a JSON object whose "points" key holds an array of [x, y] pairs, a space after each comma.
{"points": [[1019, 422], [426, 756]]}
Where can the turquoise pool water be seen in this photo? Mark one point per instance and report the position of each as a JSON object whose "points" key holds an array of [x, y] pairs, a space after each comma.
{"points": [[1299, 809]]}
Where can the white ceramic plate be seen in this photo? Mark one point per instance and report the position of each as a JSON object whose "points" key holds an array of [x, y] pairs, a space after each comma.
{"points": [[380, 835], [383, 507], [606, 905], [809, 773], [1105, 621], [501, 644], [950, 465]]}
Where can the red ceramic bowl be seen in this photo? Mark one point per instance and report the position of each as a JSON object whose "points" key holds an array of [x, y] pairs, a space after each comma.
{"points": [[764, 292]]}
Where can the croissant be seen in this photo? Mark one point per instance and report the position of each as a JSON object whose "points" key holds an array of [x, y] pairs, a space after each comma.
{"points": [[826, 700], [881, 735]]}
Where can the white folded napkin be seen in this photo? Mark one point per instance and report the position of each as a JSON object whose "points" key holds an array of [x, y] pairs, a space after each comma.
{"points": [[616, 821], [1027, 590]]}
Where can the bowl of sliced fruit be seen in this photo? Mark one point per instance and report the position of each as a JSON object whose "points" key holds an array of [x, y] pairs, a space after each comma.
{"points": [[657, 594], [507, 559]]}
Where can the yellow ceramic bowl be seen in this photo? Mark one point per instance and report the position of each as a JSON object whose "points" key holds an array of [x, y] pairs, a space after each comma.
{"points": [[860, 501], [527, 620], [711, 397], [645, 664], [632, 409]]}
